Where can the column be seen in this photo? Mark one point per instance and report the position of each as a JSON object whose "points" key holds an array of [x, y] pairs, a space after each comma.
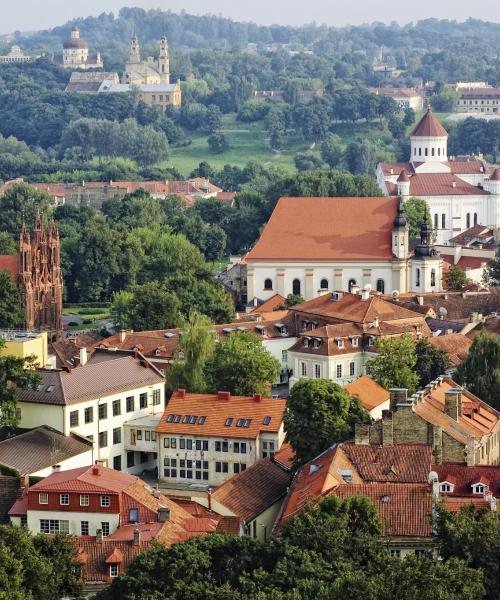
{"points": [[309, 287], [250, 284], [337, 280], [280, 282]]}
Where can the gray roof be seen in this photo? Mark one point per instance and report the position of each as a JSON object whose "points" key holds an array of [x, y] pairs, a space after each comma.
{"points": [[39, 449], [105, 373], [108, 86]]}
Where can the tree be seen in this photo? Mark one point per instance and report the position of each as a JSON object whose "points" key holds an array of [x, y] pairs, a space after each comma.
{"points": [[15, 373], [360, 157], [20, 202], [480, 371], [431, 362], [307, 161], [11, 312], [242, 366], [196, 348], [151, 307], [455, 278], [120, 309], [416, 211], [332, 150], [323, 407], [7, 243], [218, 143], [491, 275], [394, 365], [409, 116]]}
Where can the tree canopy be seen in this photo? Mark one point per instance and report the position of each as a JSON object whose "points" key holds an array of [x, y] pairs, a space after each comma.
{"points": [[11, 312], [394, 364]]}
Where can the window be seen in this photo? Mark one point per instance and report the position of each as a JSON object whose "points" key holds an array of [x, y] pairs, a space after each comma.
{"points": [[84, 500], [54, 526], [247, 422], [202, 445], [139, 434], [133, 515], [130, 459], [303, 369], [355, 342], [239, 467], [157, 398], [340, 343], [103, 439], [446, 487], [105, 528], [89, 415], [222, 467], [478, 488], [436, 220], [352, 369], [105, 501], [64, 499], [129, 404], [323, 284], [117, 435], [284, 356], [229, 422], [102, 411], [171, 467], [467, 220], [153, 438], [317, 371], [221, 446], [351, 284], [381, 286], [443, 221], [117, 408], [268, 284], [266, 420], [339, 371], [475, 218], [114, 570], [296, 287], [84, 528], [117, 463], [240, 447], [267, 449], [201, 471], [43, 498], [73, 418], [417, 277], [433, 277], [143, 400]]}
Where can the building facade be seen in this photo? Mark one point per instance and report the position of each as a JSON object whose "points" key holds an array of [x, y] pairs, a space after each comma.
{"points": [[76, 54], [16, 55], [484, 100]]}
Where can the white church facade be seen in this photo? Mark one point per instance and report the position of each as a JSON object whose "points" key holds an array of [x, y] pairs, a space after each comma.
{"points": [[459, 193], [311, 246]]}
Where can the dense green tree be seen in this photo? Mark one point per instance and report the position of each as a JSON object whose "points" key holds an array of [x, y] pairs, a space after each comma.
{"points": [[217, 142], [323, 407], [431, 362], [491, 275], [480, 371], [360, 157], [120, 308], [417, 211], [242, 366], [20, 202], [332, 150], [11, 312], [7, 243], [307, 161], [151, 307], [394, 365], [455, 278]]}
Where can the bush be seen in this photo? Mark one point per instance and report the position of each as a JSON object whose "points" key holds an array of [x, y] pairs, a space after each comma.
{"points": [[218, 143]]}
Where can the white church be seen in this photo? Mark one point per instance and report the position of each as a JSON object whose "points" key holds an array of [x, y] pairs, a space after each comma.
{"points": [[459, 193]]}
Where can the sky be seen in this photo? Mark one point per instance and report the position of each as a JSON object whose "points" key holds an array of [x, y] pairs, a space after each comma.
{"points": [[42, 14]]}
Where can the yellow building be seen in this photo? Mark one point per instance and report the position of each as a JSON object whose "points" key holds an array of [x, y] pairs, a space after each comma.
{"points": [[23, 344]]}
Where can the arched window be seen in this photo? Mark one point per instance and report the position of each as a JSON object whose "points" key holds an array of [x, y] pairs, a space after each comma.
{"points": [[324, 284], [381, 286], [443, 221], [433, 277], [467, 220], [417, 277], [436, 220], [427, 152], [296, 287], [351, 284], [432, 152], [420, 151], [475, 218], [268, 284], [439, 151]]}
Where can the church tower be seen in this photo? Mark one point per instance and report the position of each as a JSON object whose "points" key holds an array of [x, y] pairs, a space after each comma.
{"points": [[426, 264], [135, 51], [429, 141], [164, 61], [400, 249]]}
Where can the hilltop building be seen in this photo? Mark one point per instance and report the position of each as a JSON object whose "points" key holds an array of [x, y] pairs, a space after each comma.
{"points": [[459, 192], [76, 53], [16, 55]]}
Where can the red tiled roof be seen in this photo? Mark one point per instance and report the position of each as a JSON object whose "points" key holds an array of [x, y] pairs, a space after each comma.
{"points": [[216, 412], [86, 478], [10, 263], [442, 184], [429, 126], [254, 490], [456, 345], [466, 262], [329, 229], [463, 477], [285, 456], [369, 392], [458, 167], [270, 304]]}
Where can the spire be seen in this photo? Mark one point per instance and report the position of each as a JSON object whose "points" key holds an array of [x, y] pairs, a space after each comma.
{"points": [[425, 230], [135, 50], [38, 220], [429, 126], [400, 220]]}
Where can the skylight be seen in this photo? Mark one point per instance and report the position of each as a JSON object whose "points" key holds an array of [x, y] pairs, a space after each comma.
{"points": [[239, 423], [192, 419], [267, 420], [201, 420], [229, 421], [247, 422], [50, 388], [170, 418], [177, 418], [185, 418]]}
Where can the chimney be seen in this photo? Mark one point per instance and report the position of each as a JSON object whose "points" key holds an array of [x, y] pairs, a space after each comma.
{"points": [[181, 393], [83, 356], [362, 433], [257, 397], [355, 290], [365, 295], [98, 536], [123, 335], [137, 537], [25, 482], [163, 514], [398, 396], [224, 396], [420, 300], [453, 403], [56, 468], [95, 470], [209, 498], [376, 322]]}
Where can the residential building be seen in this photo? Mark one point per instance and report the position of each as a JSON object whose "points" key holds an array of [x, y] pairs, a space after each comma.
{"points": [[23, 344], [404, 97], [76, 53], [40, 451], [459, 426], [159, 95], [456, 346], [474, 100], [95, 399], [89, 82], [459, 191], [314, 245], [204, 439], [460, 485], [16, 55], [372, 396]]}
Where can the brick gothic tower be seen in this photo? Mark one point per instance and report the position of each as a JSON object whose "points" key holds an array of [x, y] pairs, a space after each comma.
{"points": [[40, 277]]}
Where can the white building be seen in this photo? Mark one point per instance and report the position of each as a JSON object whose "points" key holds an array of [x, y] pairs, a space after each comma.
{"points": [[459, 192], [94, 400], [404, 97], [76, 54], [16, 55], [314, 245], [482, 100]]}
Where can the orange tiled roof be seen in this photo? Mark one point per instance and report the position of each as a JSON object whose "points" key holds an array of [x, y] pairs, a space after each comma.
{"points": [[285, 456], [456, 345], [217, 409], [459, 167], [369, 392], [429, 126], [442, 184], [270, 304], [329, 229], [463, 477]]}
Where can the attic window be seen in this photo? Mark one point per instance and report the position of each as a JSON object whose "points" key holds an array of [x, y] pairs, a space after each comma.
{"points": [[242, 329], [247, 422], [169, 334], [446, 488], [157, 352], [50, 388], [229, 421], [170, 418], [306, 342], [340, 343], [239, 423], [267, 420], [201, 420], [185, 418], [346, 475], [478, 488], [385, 499], [192, 419], [177, 418], [355, 342], [227, 330]]}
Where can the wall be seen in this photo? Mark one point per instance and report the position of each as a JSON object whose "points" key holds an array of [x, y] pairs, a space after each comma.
{"points": [[80, 460], [24, 347], [75, 519], [34, 415]]}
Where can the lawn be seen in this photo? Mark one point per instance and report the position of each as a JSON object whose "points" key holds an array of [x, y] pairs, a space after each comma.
{"points": [[88, 312]]}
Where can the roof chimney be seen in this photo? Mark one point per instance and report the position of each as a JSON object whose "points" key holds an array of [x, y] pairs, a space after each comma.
{"points": [[181, 393], [98, 536], [224, 396], [365, 295], [453, 403], [56, 468], [122, 335], [83, 356], [257, 397], [163, 514], [137, 537], [95, 470]]}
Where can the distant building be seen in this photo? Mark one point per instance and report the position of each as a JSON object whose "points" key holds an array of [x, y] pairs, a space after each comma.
{"points": [[15, 55], [76, 54], [475, 100], [23, 343], [405, 97], [89, 83]]}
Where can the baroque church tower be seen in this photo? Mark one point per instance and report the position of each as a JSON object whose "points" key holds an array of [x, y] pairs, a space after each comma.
{"points": [[40, 276]]}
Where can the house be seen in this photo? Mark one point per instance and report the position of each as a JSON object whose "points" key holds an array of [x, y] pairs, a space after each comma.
{"points": [[204, 439], [94, 399], [460, 485], [459, 426], [404, 97], [455, 345], [311, 246], [24, 343], [474, 100], [459, 192], [40, 451], [372, 396]]}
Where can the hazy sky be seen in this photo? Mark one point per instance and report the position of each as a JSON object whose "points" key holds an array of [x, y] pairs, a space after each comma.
{"points": [[42, 14]]}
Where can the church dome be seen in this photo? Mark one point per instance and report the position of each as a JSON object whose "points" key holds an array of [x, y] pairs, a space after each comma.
{"points": [[429, 126], [75, 41], [403, 176]]}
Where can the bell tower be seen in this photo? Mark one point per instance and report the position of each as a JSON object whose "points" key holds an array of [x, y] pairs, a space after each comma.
{"points": [[164, 61], [135, 51]]}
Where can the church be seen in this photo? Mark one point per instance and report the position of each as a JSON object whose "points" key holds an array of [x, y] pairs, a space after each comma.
{"points": [[76, 54], [37, 269], [311, 246], [458, 191]]}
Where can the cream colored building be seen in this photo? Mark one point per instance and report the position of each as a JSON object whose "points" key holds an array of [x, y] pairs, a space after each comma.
{"points": [[76, 54], [483, 100], [95, 399], [23, 344], [16, 55], [404, 97]]}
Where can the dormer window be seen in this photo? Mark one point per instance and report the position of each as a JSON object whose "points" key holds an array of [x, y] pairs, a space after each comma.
{"points": [[478, 488], [446, 487], [306, 342], [340, 344], [355, 342], [371, 341]]}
